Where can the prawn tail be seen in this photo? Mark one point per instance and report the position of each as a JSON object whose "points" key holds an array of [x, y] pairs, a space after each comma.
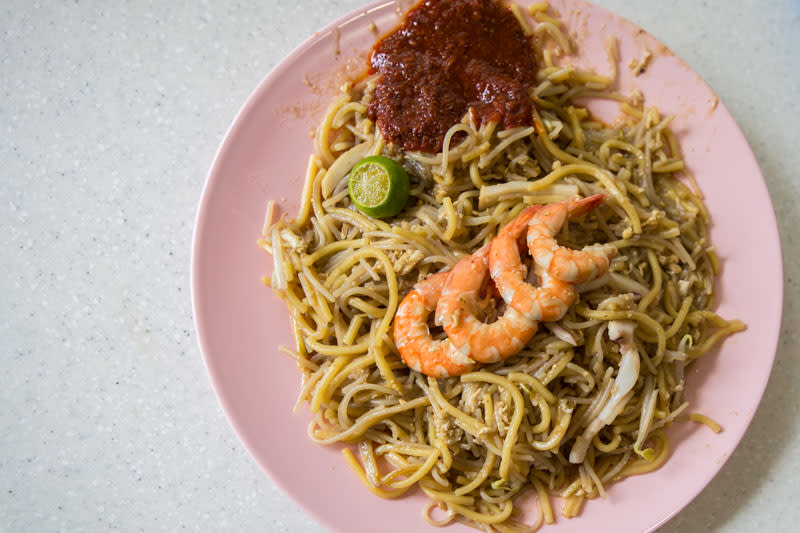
{"points": [[581, 206]]}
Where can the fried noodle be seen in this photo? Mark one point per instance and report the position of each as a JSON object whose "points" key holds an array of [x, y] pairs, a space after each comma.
{"points": [[473, 443]]}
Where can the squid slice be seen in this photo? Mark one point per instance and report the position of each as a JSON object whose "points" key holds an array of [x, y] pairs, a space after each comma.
{"points": [[620, 331]]}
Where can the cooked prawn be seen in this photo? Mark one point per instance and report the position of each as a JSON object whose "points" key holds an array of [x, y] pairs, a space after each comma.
{"points": [[573, 266], [456, 313], [545, 303], [420, 351]]}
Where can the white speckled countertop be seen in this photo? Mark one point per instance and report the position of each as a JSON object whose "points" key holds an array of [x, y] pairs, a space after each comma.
{"points": [[110, 115]]}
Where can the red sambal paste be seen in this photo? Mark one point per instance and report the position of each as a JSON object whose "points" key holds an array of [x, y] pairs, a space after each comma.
{"points": [[448, 57]]}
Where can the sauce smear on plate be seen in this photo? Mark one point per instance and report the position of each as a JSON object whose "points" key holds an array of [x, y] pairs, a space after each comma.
{"points": [[450, 56]]}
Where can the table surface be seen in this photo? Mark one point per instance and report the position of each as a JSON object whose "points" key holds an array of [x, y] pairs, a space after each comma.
{"points": [[111, 114]]}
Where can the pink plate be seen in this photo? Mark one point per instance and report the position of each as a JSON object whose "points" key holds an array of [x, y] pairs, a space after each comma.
{"points": [[240, 323]]}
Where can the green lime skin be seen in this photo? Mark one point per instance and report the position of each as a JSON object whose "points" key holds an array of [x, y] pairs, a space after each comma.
{"points": [[378, 186]]}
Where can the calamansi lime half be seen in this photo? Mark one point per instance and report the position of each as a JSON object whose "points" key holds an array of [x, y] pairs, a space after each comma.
{"points": [[378, 186]]}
